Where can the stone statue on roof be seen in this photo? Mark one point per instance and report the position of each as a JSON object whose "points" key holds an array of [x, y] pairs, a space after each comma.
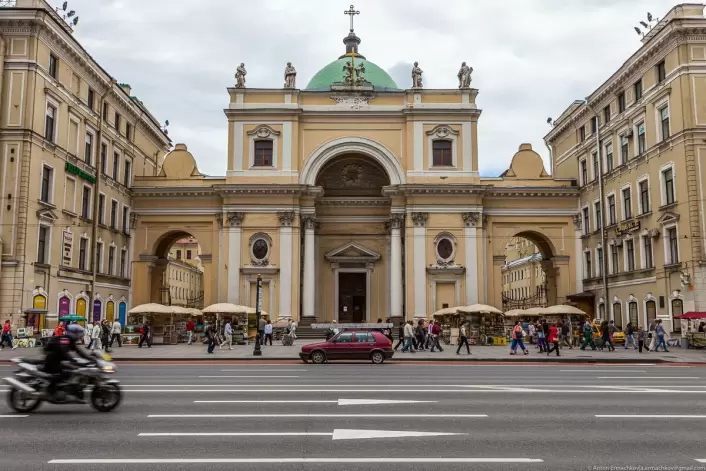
{"points": [[464, 76], [290, 76], [417, 76], [240, 74], [348, 73], [360, 74]]}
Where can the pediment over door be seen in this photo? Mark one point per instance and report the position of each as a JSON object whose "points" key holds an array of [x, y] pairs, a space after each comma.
{"points": [[352, 252]]}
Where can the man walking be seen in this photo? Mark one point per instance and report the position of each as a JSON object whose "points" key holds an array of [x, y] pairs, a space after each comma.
{"points": [[661, 333], [463, 340], [228, 332], [115, 331], [190, 331], [630, 335], [435, 335], [408, 337], [566, 334], [261, 331], [268, 332], [401, 334], [587, 336], [105, 335]]}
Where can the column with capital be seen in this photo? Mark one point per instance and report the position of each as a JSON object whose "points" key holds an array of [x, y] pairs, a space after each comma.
{"points": [[235, 232], [286, 220], [470, 234], [419, 237], [578, 256], [309, 285], [396, 281]]}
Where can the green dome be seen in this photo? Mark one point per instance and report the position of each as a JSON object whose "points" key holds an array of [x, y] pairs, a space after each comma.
{"points": [[333, 73]]}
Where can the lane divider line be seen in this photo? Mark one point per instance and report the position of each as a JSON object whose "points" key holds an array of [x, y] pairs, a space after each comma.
{"points": [[290, 460]]}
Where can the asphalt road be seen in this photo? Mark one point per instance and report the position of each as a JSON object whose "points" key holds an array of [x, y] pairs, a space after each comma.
{"points": [[499, 417]]}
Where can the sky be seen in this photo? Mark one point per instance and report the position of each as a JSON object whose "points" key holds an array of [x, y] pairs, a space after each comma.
{"points": [[531, 58]]}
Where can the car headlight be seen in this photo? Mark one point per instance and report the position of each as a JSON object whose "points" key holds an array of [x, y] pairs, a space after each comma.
{"points": [[108, 369]]}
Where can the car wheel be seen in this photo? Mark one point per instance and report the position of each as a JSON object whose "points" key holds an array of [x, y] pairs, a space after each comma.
{"points": [[377, 358], [318, 357]]}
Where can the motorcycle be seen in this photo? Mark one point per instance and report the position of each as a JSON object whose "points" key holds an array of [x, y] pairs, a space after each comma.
{"points": [[29, 387]]}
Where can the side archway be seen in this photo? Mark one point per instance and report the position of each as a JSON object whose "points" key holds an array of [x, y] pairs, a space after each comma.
{"points": [[351, 145]]}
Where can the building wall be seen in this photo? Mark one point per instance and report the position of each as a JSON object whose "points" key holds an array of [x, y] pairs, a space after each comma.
{"points": [[646, 223], [55, 279]]}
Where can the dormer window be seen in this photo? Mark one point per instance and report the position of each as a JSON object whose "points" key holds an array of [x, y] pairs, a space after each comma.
{"points": [[442, 153], [263, 153]]}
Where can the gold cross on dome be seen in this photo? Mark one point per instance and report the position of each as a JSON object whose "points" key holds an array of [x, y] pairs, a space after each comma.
{"points": [[352, 12]]}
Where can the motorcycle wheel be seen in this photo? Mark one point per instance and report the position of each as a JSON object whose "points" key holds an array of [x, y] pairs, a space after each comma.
{"points": [[21, 402], [106, 397]]}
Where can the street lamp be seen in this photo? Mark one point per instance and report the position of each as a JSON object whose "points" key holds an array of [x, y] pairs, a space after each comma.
{"points": [[258, 311]]}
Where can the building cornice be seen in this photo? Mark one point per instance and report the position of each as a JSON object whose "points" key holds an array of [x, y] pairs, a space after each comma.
{"points": [[436, 189], [534, 191], [172, 191]]}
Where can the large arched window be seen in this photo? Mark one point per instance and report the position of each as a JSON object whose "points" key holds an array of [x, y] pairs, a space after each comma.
{"points": [[677, 310], [601, 311], [618, 315], [651, 307], [443, 156], [632, 312]]}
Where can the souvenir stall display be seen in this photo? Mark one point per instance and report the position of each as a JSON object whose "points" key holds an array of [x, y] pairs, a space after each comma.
{"points": [[160, 318], [450, 322], [485, 324], [690, 335], [217, 314]]}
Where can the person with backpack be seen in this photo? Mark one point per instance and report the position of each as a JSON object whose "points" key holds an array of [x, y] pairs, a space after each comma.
{"points": [[587, 336], [517, 339]]}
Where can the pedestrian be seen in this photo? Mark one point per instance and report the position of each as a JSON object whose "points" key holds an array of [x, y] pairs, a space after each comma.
{"points": [[702, 327], [553, 338], [517, 339], [59, 330], [606, 337], [211, 336], [463, 339], [532, 330], [408, 337], [661, 334], [105, 335], [145, 335], [115, 330], [228, 332], [6, 335], [541, 338], [268, 332], [261, 330], [566, 334], [587, 336], [387, 331], [630, 335], [190, 331], [96, 336], [293, 331], [640, 338], [400, 335], [420, 333], [652, 336], [611, 330], [436, 335]]}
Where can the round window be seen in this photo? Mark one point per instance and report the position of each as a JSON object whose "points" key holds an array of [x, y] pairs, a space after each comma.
{"points": [[445, 249], [260, 249]]}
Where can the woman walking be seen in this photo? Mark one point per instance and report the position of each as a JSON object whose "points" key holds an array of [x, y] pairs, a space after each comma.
{"points": [[640, 338], [463, 340], [554, 338], [517, 337], [606, 337], [211, 336]]}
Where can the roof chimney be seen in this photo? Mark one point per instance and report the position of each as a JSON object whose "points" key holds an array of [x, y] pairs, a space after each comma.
{"points": [[126, 88]]}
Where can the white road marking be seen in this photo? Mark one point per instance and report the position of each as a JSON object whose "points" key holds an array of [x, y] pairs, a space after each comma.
{"points": [[290, 460], [440, 391], [648, 377], [651, 416], [13, 416], [250, 370], [316, 416], [340, 402], [585, 370], [259, 376], [338, 434]]}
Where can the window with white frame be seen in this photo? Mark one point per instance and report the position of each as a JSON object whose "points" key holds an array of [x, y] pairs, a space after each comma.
{"points": [[629, 255], [618, 315], [672, 245], [677, 310], [127, 173], [615, 259], [101, 209], [641, 139], [116, 166], [612, 213], [584, 172], [633, 313], [596, 165], [46, 194], [126, 215], [651, 309], [111, 260], [648, 256], [43, 244], [644, 189], [599, 261], [586, 221], [88, 150], [664, 123], [623, 149], [588, 272], [609, 157], [599, 215], [104, 158], [123, 263], [99, 257], [668, 195], [113, 214], [50, 119], [601, 311], [86, 203], [83, 254], [627, 203]]}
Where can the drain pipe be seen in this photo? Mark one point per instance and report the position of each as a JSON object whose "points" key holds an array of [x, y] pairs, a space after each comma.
{"points": [[601, 195]]}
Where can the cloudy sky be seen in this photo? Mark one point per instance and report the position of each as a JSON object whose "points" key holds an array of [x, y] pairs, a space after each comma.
{"points": [[531, 58]]}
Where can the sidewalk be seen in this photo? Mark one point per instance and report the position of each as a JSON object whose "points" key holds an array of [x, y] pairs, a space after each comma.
{"points": [[278, 352]]}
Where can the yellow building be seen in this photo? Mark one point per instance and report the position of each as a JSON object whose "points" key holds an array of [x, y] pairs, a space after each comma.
{"points": [[183, 279], [354, 198], [523, 278], [72, 142], [634, 147]]}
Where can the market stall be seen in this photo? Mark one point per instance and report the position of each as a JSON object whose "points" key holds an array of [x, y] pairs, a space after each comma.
{"points": [[238, 315], [450, 323], [160, 318], [561, 312], [690, 322], [486, 324]]}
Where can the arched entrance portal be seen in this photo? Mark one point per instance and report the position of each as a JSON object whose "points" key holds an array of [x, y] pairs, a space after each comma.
{"points": [[353, 250]]}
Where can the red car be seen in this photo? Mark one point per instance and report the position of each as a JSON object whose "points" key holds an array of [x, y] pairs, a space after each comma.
{"points": [[350, 345]]}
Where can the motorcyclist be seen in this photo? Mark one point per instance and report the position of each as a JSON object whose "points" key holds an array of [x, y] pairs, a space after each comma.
{"points": [[59, 349]]}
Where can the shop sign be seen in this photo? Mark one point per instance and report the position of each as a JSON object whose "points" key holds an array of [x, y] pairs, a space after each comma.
{"points": [[74, 170], [627, 227], [68, 247]]}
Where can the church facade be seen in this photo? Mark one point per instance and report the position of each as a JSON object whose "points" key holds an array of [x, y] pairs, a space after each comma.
{"points": [[354, 199]]}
